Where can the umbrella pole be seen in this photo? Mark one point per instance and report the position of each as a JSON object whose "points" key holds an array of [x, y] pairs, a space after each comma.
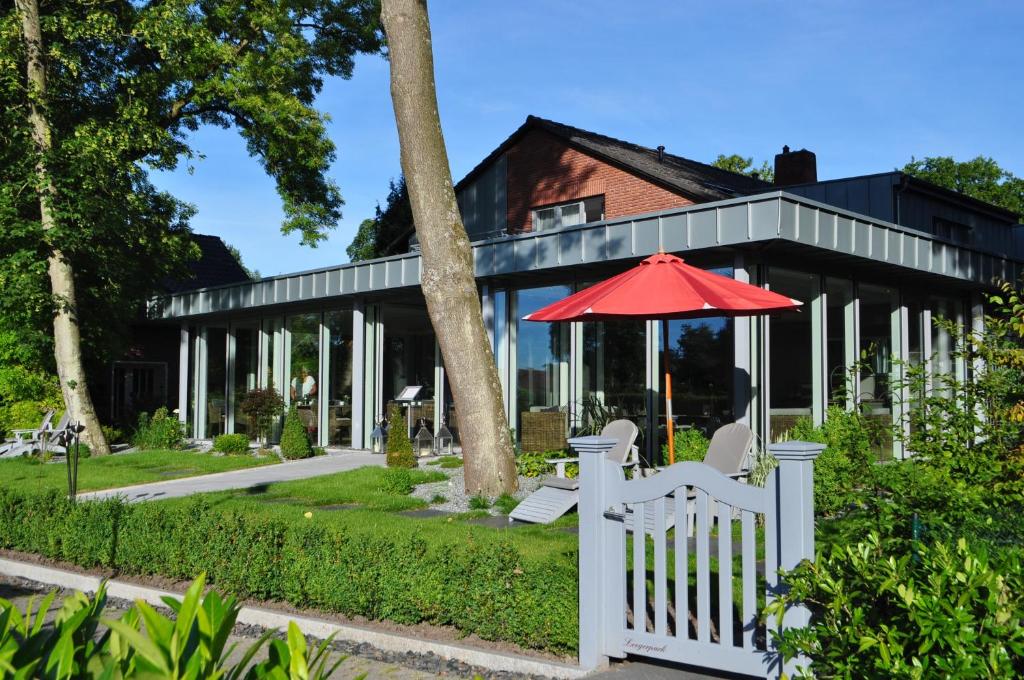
{"points": [[669, 427]]}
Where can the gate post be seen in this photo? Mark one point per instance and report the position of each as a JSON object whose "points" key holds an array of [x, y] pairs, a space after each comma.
{"points": [[793, 484], [595, 559]]}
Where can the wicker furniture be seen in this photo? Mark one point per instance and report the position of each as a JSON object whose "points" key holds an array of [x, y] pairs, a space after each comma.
{"points": [[543, 431]]}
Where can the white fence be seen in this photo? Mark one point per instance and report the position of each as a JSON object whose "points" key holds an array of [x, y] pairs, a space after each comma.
{"points": [[636, 600]]}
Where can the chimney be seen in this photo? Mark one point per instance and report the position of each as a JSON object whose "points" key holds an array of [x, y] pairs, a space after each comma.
{"points": [[795, 167], [661, 153]]}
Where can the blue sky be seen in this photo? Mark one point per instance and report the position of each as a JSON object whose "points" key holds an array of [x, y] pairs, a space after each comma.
{"points": [[866, 86]]}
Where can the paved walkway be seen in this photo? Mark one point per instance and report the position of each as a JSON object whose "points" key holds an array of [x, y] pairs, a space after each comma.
{"points": [[242, 479]]}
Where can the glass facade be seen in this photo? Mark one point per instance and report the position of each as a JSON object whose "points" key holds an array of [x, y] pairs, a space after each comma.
{"points": [[541, 367], [877, 351], [791, 371], [246, 368], [850, 346], [339, 384], [303, 370], [613, 373], [216, 381]]}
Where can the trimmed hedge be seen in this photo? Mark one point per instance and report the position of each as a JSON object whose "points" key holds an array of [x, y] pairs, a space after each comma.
{"points": [[477, 583]]}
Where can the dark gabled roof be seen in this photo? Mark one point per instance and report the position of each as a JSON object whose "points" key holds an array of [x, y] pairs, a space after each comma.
{"points": [[697, 181], [216, 266]]}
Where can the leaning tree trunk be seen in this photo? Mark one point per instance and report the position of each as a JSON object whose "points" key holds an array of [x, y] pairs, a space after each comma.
{"points": [[66, 337], [447, 258]]}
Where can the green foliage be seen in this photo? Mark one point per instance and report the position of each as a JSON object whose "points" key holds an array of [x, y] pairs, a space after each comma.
{"points": [[129, 83], [399, 453], [294, 438], [397, 481], [449, 462], [980, 178], [231, 443], [388, 232], [476, 580], [941, 611], [191, 645], [113, 435], [744, 166], [690, 444], [842, 471], [506, 503], [536, 463], [479, 503], [161, 431], [262, 406]]}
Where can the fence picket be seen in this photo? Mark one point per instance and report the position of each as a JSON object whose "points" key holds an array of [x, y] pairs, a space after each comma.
{"points": [[660, 577], [682, 564], [725, 574], [748, 544], [703, 534], [639, 569]]}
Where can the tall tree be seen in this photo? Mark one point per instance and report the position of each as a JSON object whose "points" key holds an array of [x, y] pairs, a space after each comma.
{"points": [[388, 231], [980, 178], [447, 259], [113, 89], [744, 166]]}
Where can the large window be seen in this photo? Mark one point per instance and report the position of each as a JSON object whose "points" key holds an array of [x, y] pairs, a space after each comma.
{"points": [[613, 365], [409, 359], [701, 362], [947, 321], [790, 364], [304, 362], [216, 380], [569, 214], [840, 353], [339, 404], [874, 388], [542, 370], [246, 367]]}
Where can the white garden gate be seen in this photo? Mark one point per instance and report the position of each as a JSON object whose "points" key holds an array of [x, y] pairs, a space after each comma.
{"points": [[641, 601]]}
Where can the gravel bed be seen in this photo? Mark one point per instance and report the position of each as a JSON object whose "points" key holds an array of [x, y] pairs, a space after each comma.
{"points": [[454, 490]]}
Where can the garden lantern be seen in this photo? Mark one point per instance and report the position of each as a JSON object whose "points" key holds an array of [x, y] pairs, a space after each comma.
{"points": [[379, 437], [443, 441], [424, 441]]}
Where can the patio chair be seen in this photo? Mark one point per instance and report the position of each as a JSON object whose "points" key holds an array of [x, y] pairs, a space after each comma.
{"points": [[727, 453], [557, 495], [27, 440], [47, 436]]}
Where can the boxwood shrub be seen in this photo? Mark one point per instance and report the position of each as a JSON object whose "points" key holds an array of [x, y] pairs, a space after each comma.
{"points": [[479, 583], [231, 443]]}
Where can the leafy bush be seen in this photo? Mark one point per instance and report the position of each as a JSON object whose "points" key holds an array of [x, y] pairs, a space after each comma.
{"points": [[941, 611], [262, 407], [161, 431], [690, 444], [399, 453], [396, 481], [535, 464], [113, 435], [231, 443], [294, 438], [73, 646], [843, 468], [506, 503], [477, 581], [479, 503]]}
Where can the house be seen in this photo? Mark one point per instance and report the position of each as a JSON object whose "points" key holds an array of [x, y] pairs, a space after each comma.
{"points": [[145, 377], [555, 208]]}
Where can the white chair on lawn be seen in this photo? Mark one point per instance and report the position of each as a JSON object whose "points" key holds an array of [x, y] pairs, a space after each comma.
{"points": [[727, 453], [559, 494], [27, 440]]}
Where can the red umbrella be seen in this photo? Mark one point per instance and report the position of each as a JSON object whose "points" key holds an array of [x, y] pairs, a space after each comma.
{"points": [[664, 287]]}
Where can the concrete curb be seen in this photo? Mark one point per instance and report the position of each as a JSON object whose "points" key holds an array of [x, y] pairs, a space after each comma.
{"points": [[318, 628]]}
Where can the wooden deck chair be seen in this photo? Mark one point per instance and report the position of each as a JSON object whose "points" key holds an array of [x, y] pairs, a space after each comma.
{"points": [[27, 440], [727, 453], [47, 440], [558, 495]]}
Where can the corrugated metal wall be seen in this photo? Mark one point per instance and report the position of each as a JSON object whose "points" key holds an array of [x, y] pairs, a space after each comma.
{"points": [[483, 202]]}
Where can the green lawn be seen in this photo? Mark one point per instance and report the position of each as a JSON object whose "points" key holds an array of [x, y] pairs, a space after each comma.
{"points": [[109, 472], [370, 500]]}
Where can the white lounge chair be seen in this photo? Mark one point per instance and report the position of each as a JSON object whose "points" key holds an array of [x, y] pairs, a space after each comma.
{"points": [[28, 440], [559, 494], [727, 453]]}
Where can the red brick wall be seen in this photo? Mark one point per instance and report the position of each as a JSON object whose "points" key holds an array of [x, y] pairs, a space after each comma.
{"points": [[543, 170]]}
